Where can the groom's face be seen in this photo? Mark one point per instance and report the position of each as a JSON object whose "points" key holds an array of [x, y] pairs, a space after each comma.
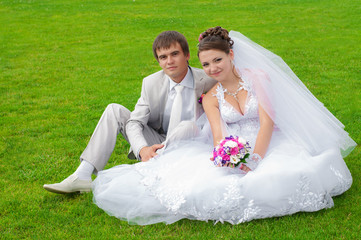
{"points": [[173, 62]]}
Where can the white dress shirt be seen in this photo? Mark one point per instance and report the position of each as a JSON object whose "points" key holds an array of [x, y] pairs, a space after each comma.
{"points": [[187, 100]]}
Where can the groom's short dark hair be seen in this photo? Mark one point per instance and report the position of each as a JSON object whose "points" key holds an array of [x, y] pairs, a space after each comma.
{"points": [[166, 39]]}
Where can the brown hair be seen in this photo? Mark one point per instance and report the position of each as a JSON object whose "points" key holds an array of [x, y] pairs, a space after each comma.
{"points": [[215, 38], [168, 38]]}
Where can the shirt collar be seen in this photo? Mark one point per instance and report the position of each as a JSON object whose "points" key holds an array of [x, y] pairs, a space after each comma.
{"points": [[186, 82]]}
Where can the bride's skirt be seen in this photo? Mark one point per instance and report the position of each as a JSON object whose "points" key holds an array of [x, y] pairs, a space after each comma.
{"points": [[184, 183]]}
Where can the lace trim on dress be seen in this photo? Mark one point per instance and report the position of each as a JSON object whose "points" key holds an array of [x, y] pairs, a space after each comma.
{"points": [[306, 200], [246, 84], [220, 94], [344, 183]]}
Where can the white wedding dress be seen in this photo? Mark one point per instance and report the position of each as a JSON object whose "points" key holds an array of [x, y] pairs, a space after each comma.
{"points": [[184, 183]]}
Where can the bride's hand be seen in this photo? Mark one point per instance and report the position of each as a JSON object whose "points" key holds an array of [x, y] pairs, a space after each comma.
{"points": [[245, 168], [252, 162]]}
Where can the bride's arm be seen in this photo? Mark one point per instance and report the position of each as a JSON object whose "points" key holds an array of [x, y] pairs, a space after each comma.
{"points": [[265, 133], [211, 108]]}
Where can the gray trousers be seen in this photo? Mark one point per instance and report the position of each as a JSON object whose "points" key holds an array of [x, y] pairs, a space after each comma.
{"points": [[102, 142]]}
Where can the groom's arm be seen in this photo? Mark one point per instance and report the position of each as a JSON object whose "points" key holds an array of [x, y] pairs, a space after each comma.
{"points": [[135, 125]]}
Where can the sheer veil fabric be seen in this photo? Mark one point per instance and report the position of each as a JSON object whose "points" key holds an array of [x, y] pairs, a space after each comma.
{"points": [[292, 107], [301, 171]]}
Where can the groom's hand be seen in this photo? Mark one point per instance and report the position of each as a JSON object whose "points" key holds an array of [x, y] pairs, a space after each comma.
{"points": [[147, 153]]}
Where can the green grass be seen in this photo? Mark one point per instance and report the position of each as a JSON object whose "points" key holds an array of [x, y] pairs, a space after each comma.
{"points": [[63, 61]]}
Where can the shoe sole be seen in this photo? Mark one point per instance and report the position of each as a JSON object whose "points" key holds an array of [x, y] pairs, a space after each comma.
{"points": [[53, 190]]}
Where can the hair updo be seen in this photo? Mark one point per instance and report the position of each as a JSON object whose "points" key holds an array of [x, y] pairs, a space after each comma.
{"points": [[215, 38]]}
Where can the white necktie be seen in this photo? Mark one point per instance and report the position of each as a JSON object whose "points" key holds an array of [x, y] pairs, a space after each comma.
{"points": [[176, 113]]}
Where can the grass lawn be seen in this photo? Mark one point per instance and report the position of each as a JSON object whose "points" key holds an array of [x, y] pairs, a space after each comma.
{"points": [[63, 61]]}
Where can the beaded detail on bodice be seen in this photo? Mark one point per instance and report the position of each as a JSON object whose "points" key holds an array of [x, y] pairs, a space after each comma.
{"points": [[246, 125]]}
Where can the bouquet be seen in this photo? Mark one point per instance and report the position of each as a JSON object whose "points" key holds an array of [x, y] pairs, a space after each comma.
{"points": [[231, 151]]}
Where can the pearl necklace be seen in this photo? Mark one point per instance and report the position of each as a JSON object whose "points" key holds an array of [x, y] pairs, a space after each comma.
{"points": [[240, 87]]}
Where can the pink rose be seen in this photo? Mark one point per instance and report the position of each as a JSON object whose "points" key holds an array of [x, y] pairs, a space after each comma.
{"points": [[200, 37], [234, 151]]}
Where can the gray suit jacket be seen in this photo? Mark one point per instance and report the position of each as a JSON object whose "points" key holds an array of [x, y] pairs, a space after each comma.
{"points": [[149, 109]]}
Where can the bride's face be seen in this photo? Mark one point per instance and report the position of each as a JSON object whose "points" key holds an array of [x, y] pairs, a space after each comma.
{"points": [[217, 64]]}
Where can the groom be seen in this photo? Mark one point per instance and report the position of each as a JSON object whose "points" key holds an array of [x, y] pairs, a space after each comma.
{"points": [[167, 97]]}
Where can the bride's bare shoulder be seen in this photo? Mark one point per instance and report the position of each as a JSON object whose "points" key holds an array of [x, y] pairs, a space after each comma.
{"points": [[213, 91], [210, 97]]}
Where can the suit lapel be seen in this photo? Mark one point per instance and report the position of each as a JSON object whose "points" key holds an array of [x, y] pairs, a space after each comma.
{"points": [[164, 90], [199, 87]]}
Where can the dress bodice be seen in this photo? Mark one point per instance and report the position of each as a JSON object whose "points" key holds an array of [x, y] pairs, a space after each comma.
{"points": [[244, 125]]}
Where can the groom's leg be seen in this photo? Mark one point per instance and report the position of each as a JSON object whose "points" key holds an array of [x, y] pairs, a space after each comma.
{"points": [[102, 142], [97, 152]]}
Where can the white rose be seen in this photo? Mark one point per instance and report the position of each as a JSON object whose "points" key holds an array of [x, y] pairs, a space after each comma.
{"points": [[234, 159], [230, 144], [242, 140]]}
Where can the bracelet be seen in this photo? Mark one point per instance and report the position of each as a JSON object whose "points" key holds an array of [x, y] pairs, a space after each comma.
{"points": [[253, 161], [256, 157]]}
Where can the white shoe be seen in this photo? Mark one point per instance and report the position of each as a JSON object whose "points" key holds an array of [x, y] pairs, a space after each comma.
{"points": [[70, 184]]}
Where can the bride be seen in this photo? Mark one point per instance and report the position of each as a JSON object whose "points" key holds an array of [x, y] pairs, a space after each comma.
{"points": [[297, 148]]}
